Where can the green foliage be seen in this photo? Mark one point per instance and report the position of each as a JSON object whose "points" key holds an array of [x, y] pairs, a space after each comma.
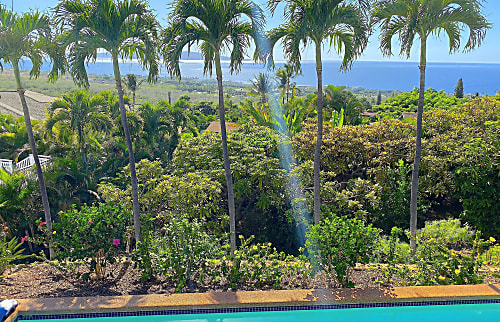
{"points": [[359, 198], [459, 89], [491, 256], [449, 233], [407, 102], [339, 100], [436, 264], [90, 237], [338, 243], [10, 251], [20, 203], [349, 151], [258, 265], [180, 253]]}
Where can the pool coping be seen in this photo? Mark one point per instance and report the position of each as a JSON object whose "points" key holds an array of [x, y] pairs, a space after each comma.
{"points": [[155, 302]]}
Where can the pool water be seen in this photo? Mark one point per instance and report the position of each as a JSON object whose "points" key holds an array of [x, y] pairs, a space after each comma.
{"points": [[440, 313]]}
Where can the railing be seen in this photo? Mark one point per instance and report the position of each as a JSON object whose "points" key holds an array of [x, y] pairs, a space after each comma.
{"points": [[25, 165], [7, 165]]}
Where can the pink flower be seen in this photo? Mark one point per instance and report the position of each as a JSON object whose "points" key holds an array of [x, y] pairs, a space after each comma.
{"points": [[116, 242], [23, 239], [91, 222], [43, 223]]}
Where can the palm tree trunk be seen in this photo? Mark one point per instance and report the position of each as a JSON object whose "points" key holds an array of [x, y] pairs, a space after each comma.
{"points": [[34, 151], [319, 138], [133, 100], [131, 157], [418, 147], [227, 165]]}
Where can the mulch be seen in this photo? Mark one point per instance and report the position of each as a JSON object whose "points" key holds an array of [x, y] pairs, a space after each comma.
{"points": [[42, 279]]}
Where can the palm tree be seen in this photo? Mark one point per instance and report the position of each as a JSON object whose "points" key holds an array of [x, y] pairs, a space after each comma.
{"points": [[125, 29], [132, 84], [80, 111], [421, 18], [283, 76], [26, 36], [341, 23], [261, 86], [215, 25]]}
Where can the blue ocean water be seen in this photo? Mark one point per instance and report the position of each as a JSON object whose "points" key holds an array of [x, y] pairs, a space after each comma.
{"points": [[402, 76]]}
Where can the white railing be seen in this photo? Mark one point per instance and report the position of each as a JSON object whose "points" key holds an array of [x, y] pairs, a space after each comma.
{"points": [[25, 165], [7, 165]]}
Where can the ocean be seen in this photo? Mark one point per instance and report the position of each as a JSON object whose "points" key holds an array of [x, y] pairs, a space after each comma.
{"points": [[401, 76]]}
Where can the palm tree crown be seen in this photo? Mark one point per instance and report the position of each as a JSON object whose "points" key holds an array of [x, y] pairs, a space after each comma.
{"points": [[261, 86], [123, 28], [215, 26], [411, 18]]}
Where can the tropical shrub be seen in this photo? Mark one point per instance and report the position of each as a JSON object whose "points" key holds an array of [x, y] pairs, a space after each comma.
{"points": [[179, 252], [336, 244], [259, 265], [447, 232], [9, 251], [492, 255], [89, 239]]}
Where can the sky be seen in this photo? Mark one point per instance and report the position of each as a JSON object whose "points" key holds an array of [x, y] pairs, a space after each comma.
{"points": [[438, 51]]}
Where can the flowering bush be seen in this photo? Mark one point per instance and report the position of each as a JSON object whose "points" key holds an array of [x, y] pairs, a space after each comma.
{"points": [[9, 250], [179, 253], [336, 244], [258, 265], [91, 237]]}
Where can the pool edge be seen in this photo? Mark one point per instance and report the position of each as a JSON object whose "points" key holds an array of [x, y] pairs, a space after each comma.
{"points": [[74, 305]]}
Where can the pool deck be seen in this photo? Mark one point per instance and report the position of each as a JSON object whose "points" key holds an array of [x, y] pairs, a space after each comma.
{"points": [[156, 302]]}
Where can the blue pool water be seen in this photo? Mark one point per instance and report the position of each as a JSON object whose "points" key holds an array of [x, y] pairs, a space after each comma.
{"points": [[439, 313]]}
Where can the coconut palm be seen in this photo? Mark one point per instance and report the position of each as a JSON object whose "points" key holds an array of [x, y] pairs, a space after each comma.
{"points": [[29, 36], [215, 26], [81, 112], [284, 76], [312, 22], [130, 81], [126, 29], [261, 86], [410, 19]]}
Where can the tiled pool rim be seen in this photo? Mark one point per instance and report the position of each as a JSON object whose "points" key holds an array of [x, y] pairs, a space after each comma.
{"points": [[157, 304]]}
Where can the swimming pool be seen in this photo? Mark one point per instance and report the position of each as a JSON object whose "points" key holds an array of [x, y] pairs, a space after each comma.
{"points": [[486, 310]]}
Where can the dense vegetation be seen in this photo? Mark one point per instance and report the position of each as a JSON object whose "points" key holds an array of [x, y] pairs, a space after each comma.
{"points": [[104, 149]]}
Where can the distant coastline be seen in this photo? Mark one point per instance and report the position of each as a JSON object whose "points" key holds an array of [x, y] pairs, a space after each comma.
{"points": [[479, 78]]}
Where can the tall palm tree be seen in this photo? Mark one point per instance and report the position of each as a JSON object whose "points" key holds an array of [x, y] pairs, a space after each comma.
{"points": [[410, 19], [312, 22], [28, 36], [80, 111], [132, 84], [284, 76], [124, 28], [215, 26], [261, 86]]}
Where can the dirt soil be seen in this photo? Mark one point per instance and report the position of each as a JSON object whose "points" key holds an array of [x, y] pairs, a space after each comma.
{"points": [[45, 280]]}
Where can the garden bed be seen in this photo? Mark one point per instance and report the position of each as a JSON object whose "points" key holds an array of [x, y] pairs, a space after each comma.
{"points": [[44, 280]]}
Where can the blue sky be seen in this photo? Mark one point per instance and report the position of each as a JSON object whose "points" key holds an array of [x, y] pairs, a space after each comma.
{"points": [[489, 52]]}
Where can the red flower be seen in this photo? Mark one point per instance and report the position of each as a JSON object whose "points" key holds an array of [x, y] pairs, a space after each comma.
{"points": [[23, 239], [43, 223]]}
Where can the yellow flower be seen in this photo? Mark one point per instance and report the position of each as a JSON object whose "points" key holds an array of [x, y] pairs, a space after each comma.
{"points": [[254, 247], [223, 258], [457, 271], [431, 240], [54, 232], [235, 252], [492, 239], [442, 278], [269, 244]]}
